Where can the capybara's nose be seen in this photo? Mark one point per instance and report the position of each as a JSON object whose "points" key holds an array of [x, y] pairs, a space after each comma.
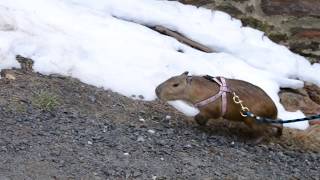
{"points": [[158, 91]]}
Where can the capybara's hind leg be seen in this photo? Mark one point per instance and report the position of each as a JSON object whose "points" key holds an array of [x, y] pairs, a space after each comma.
{"points": [[201, 120]]}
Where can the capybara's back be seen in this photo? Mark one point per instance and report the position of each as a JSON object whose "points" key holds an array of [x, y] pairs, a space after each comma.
{"points": [[253, 97]]}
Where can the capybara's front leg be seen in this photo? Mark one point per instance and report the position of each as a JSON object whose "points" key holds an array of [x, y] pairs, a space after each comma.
{"points": [[201, 120], [259, 130], [279, 128]]}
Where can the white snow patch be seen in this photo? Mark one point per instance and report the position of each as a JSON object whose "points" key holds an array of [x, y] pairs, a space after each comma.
{"points": [[83, 39], [185, 108]]}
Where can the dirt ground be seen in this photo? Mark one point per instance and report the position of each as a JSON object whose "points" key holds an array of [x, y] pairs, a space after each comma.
{"points": [[54, 127]]}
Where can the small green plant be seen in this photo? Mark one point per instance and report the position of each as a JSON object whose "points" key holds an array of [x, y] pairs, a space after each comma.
{"points": [[258, 24], [45, 101]]}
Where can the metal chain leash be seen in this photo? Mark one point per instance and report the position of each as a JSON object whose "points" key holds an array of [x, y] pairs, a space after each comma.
{"points": [[245, 112], [237, 100]]}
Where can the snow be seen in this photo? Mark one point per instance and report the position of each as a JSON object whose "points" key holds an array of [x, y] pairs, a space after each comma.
{"points": [[105, 43]]}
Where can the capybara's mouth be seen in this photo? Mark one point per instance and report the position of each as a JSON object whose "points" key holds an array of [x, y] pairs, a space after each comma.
{"points": [[158, 92]]}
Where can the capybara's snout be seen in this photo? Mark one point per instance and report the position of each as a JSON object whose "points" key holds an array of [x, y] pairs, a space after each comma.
{"points": [[158, 91]]}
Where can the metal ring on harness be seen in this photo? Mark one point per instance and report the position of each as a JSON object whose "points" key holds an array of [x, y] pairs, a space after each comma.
{"points": [[243, 111], [236, 98]]}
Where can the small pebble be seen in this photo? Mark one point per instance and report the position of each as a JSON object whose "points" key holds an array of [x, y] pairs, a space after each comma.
{"points": [[92, 99], [10, 77], [154, 177], [90, 143], [232, 142], [162, 159], [142, 120], [105, 129], [140, 139], [151, 131], [168, 117], [188, 146], [126, 154]]}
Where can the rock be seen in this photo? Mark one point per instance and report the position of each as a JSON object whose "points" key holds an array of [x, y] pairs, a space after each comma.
{"points": [[8, 74], [10, 77], [310, 137], [291, 7], [151, 131], [140, 139], [314, 122], [26, 63], [92, 99], [142, 120], [306, 33], [297, 24], [4, 178], [233, 11], [313, 92], [257, 24], [294, 100]]}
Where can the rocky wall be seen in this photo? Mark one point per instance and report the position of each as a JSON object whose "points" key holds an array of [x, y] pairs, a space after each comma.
{"points": [[293, 23]]}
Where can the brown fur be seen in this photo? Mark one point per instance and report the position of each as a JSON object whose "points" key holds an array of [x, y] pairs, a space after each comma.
{"points": [[199, 88]]}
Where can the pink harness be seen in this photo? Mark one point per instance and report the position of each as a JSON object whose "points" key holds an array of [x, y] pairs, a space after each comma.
{"points": [[223, 93]]}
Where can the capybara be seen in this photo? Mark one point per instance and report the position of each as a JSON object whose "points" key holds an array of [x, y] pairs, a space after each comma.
{"points": [[194, 89]]}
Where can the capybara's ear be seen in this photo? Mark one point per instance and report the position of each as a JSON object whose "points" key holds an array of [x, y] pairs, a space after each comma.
{"points": [[185, 73]]}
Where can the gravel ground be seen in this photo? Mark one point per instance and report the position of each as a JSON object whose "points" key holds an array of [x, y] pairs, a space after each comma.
{"points": [[54, 127]]}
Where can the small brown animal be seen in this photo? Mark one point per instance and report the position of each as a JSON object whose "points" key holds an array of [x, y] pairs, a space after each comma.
{"points": [[195, 89]]}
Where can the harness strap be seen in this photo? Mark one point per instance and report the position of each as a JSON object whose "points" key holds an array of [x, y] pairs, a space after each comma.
{"points": [[222, 92]]}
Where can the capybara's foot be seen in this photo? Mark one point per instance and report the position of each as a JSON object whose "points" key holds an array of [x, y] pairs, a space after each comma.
{"points": [[278, 129], [201, 120], [257, 140]]}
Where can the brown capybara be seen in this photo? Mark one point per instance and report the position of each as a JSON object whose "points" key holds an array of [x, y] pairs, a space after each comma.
{"points": [[194, 89]]}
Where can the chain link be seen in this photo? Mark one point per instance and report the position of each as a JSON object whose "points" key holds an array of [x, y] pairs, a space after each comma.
{"points": [[237, 100]]}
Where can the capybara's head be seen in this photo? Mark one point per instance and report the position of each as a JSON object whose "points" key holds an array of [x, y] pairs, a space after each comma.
{"points": [[173, 88]]}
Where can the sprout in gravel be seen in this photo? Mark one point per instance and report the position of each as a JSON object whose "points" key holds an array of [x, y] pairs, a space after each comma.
{"points": [[45, 101]]}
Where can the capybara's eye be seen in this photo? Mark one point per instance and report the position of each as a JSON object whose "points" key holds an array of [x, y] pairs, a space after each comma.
{"points": [[175, 85]]}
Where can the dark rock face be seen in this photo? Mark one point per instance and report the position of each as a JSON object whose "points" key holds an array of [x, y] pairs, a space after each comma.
{"points": [[291, 7], [293, 23]]}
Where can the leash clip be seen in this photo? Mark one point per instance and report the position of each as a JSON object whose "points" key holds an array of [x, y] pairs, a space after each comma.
{"points": [[237, 100]]}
